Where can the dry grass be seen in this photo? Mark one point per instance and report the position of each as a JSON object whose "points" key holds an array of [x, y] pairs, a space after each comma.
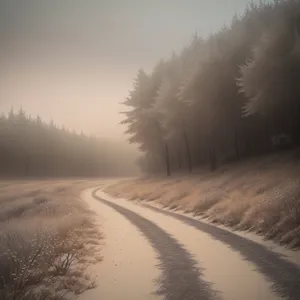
{"points": [[260, 195], [46, 237]]}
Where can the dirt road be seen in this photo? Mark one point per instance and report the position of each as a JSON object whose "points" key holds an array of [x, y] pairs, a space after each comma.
{"points": [[150, 253]]}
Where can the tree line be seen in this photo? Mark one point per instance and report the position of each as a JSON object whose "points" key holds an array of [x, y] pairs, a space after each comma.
{"points": [[223, 98], [31, 147]]}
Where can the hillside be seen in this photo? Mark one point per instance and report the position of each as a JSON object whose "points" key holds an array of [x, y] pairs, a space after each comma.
{"points": [[260, 195]]}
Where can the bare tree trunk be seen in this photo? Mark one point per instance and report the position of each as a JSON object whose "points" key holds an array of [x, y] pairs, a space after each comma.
{"points": [[236, 144], [212, 154], [266, 135], [188, 151], [298, 126], [237, 125], [167, 159], [179, 159], [165, 149]]}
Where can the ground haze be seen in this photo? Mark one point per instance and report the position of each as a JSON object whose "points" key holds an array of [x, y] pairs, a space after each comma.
{"points": [[170, 128]]}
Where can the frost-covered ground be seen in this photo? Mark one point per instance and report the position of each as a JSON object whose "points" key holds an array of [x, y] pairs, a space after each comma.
{"points": [[47, 238]]}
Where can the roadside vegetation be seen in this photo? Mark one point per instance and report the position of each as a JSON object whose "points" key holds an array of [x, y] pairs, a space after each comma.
{"points": [[47, 239], [261, 195]]}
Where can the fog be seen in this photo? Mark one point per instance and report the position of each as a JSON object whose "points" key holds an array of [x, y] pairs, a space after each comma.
{"points": [[74, 61]]}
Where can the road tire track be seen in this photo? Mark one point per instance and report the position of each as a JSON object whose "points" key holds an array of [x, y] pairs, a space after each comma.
{"points": [[181, 278], [284, 275]]}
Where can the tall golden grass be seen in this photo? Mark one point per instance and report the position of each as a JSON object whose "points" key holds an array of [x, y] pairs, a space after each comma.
{"points": [[260, 195]]}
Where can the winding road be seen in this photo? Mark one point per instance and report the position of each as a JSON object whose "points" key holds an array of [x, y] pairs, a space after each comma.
{"points": [[151, 253]]}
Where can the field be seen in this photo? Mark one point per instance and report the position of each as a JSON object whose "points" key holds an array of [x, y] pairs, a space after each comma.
{"points": [[47, 239], [261, 195]]}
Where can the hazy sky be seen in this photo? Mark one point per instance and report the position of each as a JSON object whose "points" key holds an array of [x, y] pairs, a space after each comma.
{"points": [[74, 60]]}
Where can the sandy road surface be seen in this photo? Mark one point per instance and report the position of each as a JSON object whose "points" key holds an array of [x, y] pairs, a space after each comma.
{"points": [[149, 253]]}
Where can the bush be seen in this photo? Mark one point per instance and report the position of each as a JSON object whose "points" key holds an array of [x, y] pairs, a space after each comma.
{"points": [[42, 240]]}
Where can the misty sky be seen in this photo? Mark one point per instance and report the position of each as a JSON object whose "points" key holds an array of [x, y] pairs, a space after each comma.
{"points": [[74, 60]]}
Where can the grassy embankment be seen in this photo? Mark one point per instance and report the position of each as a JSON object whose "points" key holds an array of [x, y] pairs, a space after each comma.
{"points": [[260, 195], [47, 239]]}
